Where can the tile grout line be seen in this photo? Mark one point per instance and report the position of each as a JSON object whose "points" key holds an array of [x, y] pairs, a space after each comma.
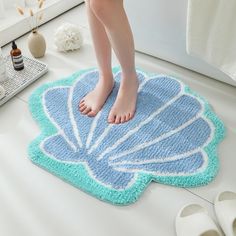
{"points": [[199, 196]]}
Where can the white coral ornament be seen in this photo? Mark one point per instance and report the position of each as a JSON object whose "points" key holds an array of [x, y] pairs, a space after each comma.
{"points": [[68, 37]]}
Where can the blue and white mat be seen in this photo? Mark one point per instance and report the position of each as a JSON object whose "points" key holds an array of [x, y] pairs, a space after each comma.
{"points": [[172, 139]]}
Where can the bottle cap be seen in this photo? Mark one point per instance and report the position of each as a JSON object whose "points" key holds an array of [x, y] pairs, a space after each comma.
{"points": [[14, 46]]}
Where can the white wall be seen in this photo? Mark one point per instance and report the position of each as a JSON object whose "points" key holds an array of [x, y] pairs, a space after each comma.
{"points": [[159, 28]]}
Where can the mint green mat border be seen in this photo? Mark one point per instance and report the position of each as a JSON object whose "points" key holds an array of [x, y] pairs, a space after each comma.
{"points": [[77, 174]]}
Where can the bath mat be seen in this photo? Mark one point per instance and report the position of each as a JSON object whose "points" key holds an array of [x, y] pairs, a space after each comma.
{"points": [[172, 139]]}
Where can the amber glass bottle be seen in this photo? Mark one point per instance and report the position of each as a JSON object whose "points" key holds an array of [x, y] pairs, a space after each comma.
{"points": [[16, 56]]}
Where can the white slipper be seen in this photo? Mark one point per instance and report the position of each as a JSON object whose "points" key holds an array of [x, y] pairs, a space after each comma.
{"points": [[225, 208], [2, 92], [193, 220]]}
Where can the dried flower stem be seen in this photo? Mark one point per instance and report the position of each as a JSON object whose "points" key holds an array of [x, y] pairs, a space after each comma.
{"points": [[35, 17], [41, 4], [20, 10]]}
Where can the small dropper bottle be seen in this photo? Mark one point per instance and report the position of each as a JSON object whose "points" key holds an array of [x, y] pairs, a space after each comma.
{"points": [[16, 56]]}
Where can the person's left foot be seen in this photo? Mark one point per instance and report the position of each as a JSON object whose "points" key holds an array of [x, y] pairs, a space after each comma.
{"points": [[124, 107]]}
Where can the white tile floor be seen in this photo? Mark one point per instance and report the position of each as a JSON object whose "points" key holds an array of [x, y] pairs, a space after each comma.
{"points": [[34, 202]]}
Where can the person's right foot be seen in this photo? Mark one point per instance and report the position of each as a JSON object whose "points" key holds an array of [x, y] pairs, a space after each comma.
{"points": [[93, 102], [125, 105]]}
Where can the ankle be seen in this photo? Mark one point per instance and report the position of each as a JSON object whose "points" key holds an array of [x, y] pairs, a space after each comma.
{"points": [[131, 80], [105, 74], [129, 74], [106, 84], [106, 78]]}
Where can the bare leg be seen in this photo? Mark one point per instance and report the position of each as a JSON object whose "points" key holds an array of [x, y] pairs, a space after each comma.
{"points": [[93, 101], [112, 14]]}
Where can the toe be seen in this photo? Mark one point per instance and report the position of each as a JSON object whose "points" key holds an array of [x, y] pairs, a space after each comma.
{"points": [[123, 119], [82, 108], [86, 110], [117, 120], [127, 118], [81, 104], [91, 113], [111, 118], [131, 115]]}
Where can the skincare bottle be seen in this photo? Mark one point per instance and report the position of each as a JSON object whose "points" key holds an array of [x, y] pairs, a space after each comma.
{"points": [[16, 56], [3, 74]]}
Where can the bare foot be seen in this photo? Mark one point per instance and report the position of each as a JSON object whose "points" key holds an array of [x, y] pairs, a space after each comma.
{"points": [[124, 107], [92, 103]]}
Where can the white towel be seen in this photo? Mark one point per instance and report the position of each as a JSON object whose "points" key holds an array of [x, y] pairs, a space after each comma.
{"points": [[211, 33]]}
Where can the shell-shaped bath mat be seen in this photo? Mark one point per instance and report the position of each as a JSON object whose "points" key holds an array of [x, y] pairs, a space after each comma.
{"points": [[172, 139]]}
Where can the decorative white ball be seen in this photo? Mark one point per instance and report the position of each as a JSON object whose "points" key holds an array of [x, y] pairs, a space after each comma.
{"points": [[68, 37]]}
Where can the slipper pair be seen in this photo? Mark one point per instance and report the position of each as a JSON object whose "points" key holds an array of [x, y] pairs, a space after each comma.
{"points": [[194, 220]]}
